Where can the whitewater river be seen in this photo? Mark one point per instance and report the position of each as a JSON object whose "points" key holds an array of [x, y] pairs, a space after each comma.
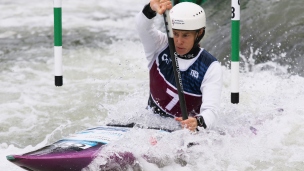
{"points": [[106, 80]]}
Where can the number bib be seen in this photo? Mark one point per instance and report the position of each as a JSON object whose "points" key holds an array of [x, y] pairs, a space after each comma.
{"points": [[164, 96]]}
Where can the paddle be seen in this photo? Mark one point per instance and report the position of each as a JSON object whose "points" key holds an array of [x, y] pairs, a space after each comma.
{"points": [[176, 71], [132, 125]]}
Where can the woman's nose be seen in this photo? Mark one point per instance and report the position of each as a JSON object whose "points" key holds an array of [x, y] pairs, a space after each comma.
{"points": [[178, 40]]}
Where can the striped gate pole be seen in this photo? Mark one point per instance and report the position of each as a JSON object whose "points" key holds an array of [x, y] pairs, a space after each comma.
{"points": [[235, 50], [58, 42]]}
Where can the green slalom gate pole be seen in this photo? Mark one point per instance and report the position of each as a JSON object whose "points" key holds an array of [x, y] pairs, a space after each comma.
{"points": [[235, 50], [58, 42]]}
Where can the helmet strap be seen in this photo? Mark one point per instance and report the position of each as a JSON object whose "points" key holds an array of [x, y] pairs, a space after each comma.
{"points": [[199, 37]]}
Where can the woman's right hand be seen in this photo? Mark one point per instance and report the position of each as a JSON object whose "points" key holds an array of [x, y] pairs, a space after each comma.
{"points": [[160, 6]]}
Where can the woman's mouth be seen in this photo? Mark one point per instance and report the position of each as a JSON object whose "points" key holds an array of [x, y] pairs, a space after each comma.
{"points": [[179, 48]]}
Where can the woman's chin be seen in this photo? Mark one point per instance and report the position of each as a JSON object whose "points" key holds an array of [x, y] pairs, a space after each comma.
{"points": [[181, 53]]}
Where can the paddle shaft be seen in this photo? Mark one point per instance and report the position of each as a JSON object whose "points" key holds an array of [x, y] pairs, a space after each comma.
{"points": [[176, 71]]}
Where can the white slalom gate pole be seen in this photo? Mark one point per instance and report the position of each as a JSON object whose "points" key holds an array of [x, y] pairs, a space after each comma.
{"points": [[58, 42], [235, 50]]}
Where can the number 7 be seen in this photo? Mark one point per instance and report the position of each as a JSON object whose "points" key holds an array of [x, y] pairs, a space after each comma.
{"points": [[174, 101]]}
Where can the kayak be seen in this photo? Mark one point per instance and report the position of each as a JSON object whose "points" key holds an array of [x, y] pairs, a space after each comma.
{"points": [[76, 151]]}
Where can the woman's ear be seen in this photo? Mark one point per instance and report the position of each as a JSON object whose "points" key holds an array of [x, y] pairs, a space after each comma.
{"points": [[199, 35], [201, 31]]}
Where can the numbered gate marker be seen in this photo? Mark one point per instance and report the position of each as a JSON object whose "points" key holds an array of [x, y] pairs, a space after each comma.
{"points": [[235, 50]]}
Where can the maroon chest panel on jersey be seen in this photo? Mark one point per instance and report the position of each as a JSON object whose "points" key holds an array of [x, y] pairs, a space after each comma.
{"points": [[165, 95]]}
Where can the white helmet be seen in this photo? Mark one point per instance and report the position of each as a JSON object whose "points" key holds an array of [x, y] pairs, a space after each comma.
{"points": [[187, 16]]}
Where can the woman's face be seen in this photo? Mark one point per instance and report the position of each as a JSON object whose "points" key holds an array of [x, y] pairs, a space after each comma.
{"points": [[183, 41]]}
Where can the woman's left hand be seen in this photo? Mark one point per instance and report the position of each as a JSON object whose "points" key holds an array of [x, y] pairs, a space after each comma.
{"points": [[160, 6], [190, 123]]}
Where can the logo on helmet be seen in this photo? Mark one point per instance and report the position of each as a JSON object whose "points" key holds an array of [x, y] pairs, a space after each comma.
{"points": [[177, 22]]}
